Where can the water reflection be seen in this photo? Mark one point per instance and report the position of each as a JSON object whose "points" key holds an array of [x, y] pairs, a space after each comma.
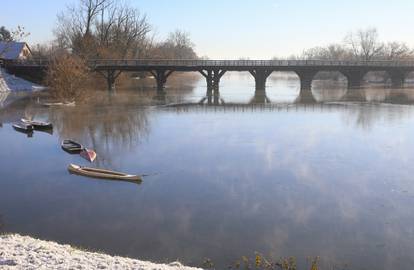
{"points": [[328, 174], [103, 126]]}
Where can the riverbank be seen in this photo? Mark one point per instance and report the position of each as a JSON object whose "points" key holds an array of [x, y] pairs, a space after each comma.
{"points": [[23, 252], [11, 83]]}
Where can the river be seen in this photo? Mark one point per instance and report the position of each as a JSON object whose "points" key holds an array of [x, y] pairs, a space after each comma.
{"points": [[325, 173]]}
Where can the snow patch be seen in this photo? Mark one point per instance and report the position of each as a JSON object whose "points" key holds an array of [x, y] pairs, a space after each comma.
{"points": [[25, 252], [11, 83]]}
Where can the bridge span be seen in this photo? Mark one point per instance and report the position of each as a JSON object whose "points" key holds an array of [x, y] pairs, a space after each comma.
{"points": [[213, 70]]}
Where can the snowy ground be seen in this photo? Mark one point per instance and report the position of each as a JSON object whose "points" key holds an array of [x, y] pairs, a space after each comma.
{"points": [[23, 252], [11, 83]]}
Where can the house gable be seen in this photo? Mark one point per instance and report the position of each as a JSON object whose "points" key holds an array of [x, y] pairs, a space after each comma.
{"points": [[14, 50]]}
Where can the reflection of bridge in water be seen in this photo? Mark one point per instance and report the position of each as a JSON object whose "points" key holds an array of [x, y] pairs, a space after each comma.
{"points": [[354, 106], [308, 97]]}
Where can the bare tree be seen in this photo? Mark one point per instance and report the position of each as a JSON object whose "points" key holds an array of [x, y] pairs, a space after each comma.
{"points": [[330, 52], [178, 46], [74, 26], [397, 51], [102, 28], [364, 44], [123, 32]]}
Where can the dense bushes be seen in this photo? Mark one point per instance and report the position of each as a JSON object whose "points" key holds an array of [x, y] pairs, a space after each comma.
{"points": [[67, 77]]}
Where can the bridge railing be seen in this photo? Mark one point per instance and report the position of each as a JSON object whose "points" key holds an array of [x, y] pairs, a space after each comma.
{"points": [[246, 63], [28, 62], [218, 63]]}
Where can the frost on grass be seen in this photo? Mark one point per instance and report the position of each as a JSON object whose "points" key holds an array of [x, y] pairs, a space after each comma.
{"points": [[22, 252]]}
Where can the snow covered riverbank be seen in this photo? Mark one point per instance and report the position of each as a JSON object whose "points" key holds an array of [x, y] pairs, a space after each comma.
{"points": [[11, 83], [23, 252]]}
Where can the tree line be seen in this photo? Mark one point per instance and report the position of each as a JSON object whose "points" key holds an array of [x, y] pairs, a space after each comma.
{"points": [[100, 29], [103, 29], [362, 45]]}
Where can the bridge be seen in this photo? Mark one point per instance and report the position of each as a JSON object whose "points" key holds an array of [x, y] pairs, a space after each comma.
{"points": [[213, 70]]}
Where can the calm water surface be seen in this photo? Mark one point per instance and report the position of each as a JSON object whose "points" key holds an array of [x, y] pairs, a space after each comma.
{"points": [[327, 173]]}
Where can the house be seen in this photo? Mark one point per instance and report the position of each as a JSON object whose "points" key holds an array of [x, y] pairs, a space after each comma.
{"points": [[11, 50]]}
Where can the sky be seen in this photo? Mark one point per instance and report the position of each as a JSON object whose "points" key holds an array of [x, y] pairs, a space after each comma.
{"points": [[232, 29]]}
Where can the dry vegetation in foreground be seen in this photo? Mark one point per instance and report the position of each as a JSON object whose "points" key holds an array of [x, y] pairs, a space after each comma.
{"points": [[260, 262]]}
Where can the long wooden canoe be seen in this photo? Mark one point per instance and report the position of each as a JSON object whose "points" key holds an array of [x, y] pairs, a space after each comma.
{"points": [[104, 174]]}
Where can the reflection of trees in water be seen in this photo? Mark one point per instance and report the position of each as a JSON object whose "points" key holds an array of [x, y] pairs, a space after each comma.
{"points": [[114, 124], [18, 106], [367, 115]]}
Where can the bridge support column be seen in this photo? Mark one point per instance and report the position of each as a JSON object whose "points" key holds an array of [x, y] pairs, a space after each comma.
{"points": [[397, 78], [354, 77], [306, 77], [305, 97], [161, 77], [208, 74], [213, 77], [260, 97], [260, 77]]}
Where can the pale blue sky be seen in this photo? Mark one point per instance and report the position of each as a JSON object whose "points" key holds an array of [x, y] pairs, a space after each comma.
{"points": [[258, 29]]}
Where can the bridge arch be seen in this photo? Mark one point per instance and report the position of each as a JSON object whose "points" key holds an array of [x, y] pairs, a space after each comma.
{"points": [[283, 86], [329, 86], [391, 77]]}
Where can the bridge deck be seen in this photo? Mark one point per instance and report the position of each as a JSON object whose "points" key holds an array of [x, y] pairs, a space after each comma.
{"points": [[224, 64]]}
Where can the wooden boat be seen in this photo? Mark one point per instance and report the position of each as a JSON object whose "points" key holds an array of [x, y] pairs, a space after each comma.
{"points": [[22, 127], [104, 174], [37, 124], [71, 147], [88, 154]]}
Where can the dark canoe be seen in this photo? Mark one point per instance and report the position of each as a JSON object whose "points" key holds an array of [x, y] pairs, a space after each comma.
{"points": [[71, 147], [22, 127], [38, 124], [103, 174]]}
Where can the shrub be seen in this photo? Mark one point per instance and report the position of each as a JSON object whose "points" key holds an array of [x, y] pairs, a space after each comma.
{"points": [[67, 77]]}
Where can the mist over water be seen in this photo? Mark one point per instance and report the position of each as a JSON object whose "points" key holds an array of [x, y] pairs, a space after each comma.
{"points": [[283, 172]]}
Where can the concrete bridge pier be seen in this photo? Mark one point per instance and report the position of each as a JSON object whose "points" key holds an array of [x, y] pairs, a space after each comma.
{"points": [[354, 77], [161, 76], [260, 77], [397, 78], [306, 77], [260, 97], [306, 97], [208, 74]]}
